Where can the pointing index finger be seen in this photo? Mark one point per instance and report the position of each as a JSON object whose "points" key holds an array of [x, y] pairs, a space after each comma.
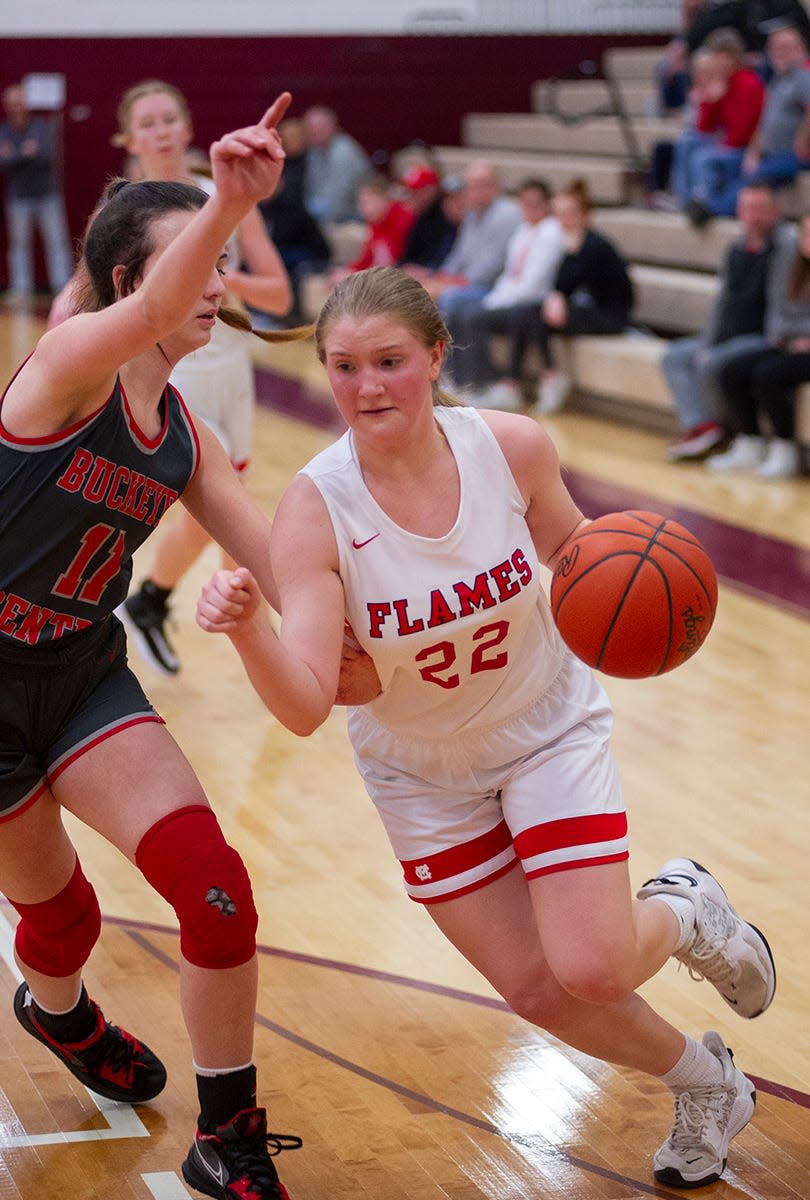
{"points": [[276, 111]]}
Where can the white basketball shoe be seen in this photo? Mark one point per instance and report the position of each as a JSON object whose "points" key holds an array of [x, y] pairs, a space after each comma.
{"points": [[730, 953], [706, 1119]]}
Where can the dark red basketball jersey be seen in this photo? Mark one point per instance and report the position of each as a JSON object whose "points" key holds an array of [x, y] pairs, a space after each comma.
{"points": [[75, 506]]}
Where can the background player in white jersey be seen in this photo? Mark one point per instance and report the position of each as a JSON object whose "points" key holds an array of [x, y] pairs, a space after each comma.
{"points": [[488, 746], [216, 380], [94, 445]]}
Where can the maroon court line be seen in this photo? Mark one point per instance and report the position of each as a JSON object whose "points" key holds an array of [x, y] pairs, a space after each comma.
{"points": [[538, 1146], [136, 929]]}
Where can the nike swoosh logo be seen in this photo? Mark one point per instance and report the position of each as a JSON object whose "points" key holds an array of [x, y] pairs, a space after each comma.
{"points": [[214, 1166], [359, 545]]}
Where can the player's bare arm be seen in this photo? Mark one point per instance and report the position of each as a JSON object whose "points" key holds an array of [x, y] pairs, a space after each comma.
{"points": [[296, 674], [552, 515]]}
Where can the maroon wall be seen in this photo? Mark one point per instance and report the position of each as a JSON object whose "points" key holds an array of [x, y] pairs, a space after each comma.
{"points": [[388, 91]]}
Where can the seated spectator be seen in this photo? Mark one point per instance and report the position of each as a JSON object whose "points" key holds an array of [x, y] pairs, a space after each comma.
{"points": [[432, 234], [672, 73], [704, 86], [708, 155], [335, 164], [592, 294], [33, 197], [479, 252], [763, 382], [294, 231], [533, 256], [388, 223], [780, 147], [453, 201], [691, 365]]}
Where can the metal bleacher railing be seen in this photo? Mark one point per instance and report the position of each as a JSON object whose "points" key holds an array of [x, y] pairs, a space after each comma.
{"points": [[614, 105]]}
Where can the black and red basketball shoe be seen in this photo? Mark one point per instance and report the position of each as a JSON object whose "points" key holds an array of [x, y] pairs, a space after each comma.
{"points": [[234, 1161], [110, 1061]]}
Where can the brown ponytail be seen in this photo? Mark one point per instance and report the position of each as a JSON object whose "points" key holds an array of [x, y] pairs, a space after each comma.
{"points": [[236, 319]]}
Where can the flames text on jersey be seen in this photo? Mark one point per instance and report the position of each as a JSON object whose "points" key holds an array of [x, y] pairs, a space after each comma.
{"points": [[488, 589]]}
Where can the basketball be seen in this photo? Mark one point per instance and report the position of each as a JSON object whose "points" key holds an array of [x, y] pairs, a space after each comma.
{"points": [[634, 594]]}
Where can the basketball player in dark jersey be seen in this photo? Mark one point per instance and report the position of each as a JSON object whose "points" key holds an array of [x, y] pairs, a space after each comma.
{"points": [[95, 446]]}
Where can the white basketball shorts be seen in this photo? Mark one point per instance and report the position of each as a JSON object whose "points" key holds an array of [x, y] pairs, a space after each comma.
{"points": [[541, 788]]}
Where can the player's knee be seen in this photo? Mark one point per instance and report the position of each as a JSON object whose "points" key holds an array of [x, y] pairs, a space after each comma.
{"points": [[533, 996], [55, 937], [187, 860], [593, 976]]}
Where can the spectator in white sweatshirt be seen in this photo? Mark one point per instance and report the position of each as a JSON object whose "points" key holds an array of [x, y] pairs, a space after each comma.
{"points": [[533, 255]]}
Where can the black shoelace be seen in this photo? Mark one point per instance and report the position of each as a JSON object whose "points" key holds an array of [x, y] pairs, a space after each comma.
{"points": [[249, 1157], [115, 1048]]}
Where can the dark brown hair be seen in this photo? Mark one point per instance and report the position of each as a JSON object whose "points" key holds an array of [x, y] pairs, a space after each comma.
{"points": [[121, 234]]}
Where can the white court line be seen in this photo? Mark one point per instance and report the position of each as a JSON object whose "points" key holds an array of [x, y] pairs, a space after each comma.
{"points": [[122, 1120], [165, 1185]]}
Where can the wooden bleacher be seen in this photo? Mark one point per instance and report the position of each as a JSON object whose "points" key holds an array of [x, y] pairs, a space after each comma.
{"points": [[673, 266]]}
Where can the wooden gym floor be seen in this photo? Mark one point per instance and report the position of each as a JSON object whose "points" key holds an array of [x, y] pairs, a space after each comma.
{"points": [[403, 1072]]}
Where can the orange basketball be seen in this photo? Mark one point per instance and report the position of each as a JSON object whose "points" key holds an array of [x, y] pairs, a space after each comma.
{"points": [[634, 595]]}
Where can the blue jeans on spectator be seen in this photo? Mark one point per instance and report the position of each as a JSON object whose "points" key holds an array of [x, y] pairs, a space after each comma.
{"points": [[705, 170], [691, 367], [689, 145], [456, 295], [719, 173], [48, 212], [777, 170]]}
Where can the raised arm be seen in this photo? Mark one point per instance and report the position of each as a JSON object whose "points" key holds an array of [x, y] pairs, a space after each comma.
{"points": [[75, 363]]}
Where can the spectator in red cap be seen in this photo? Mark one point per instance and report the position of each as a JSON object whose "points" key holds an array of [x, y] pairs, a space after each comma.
{"points": [[433, 232], [388, 222]]}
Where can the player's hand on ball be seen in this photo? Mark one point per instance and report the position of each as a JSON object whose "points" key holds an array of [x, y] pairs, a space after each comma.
{"points": [[228, 601]]}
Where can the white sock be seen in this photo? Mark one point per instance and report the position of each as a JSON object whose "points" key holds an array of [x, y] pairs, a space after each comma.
{"points": [[56, 1012], [684, 910], [697, 1067], [210, 1072]]}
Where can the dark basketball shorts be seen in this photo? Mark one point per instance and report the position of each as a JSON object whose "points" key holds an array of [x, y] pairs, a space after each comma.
{"points": [[57, 703]]}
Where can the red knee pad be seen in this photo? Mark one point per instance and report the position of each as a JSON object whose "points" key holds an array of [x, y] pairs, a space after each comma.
{"points": [[187, 860], [55, 937]]}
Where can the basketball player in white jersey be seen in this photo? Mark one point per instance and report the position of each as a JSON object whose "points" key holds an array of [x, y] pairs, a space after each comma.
{"points": [[487, 748]]}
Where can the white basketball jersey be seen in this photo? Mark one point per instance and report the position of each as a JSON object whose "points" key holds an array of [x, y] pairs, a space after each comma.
{"points": [[458, 626], [216, 381]]}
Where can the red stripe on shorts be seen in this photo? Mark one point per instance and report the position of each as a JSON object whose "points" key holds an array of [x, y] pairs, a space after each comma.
{"points": [[573, 864], [457, 859], [571, 831]]}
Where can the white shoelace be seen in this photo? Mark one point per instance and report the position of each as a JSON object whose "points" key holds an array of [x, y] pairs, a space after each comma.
{"points": [[692, 1109]]}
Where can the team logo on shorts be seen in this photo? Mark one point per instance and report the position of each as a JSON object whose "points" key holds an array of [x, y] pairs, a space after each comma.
{"points": [[423, 872]]}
